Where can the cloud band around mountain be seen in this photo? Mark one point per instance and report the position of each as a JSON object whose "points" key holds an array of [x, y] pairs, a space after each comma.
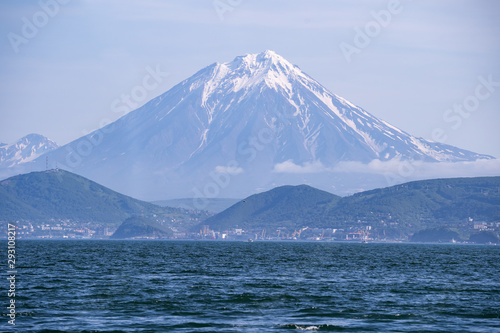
{"points": [[397, 168]]}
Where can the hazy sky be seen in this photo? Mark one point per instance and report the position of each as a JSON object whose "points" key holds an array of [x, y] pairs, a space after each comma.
{"points": [[423, 65]]}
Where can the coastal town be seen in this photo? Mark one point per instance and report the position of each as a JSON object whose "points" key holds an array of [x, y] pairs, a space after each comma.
{"points": [[66, 229]]}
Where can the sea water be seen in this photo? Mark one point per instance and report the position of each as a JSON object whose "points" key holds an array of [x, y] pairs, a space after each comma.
{"points": [[183, 286]]}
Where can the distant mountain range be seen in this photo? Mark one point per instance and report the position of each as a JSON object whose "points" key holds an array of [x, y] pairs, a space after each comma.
{"points": [[57, 195], [402, 209], [236, 128], [214, 205]]}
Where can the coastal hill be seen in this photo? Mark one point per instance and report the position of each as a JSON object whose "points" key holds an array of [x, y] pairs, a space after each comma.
{"points": [[423, 204], [62, 195], [401, 209], [285, 206], [141, 227]]}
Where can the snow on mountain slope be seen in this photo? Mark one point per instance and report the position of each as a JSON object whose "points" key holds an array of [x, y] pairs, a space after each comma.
{"points": [[25, 150], [244, 118], [309, 122]]}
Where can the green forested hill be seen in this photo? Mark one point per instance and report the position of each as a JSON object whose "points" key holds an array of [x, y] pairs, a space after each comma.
{"points": [[285, 206], [406, 208], [59, 195], [137, 226], [425, 202]]}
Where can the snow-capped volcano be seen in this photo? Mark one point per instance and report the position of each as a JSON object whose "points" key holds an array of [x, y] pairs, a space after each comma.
{"points": [[25, 150], [246, 118], [308, 121]]}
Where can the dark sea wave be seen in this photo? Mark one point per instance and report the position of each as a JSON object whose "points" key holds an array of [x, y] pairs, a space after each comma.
{"points": [[173, 286]]}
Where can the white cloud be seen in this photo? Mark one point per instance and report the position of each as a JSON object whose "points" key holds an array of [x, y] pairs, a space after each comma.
{"points": [[396, 171], [232, 170], [307, 167]]}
